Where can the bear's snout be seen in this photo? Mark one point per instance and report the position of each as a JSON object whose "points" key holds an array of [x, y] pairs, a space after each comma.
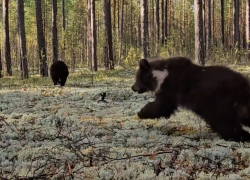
{"points": [[134, 88], [139, 89]]}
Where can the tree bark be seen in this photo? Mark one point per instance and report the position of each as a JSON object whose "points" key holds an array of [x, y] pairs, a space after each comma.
{"points": [[236, 25], [214, 24], [41, 40], [109, 61], [208, 29], [157, 10], [120, 27], [170, 3], [6, 37], [162, 22], [89, 35], [64, 27], [92, 59], [22, 39], [144, 28], [93, 28], [54, 31], [248, 28], [222, 24], [122, 19], [243, 25], [199, 43], [166, 22]]}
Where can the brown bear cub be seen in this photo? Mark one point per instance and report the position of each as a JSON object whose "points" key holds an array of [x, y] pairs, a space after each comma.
{"points": [[59, 72], [217, 94]]}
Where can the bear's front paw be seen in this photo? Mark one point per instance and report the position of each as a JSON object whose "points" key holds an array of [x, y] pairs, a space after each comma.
{"points": [[147, 115], [141, 115]]}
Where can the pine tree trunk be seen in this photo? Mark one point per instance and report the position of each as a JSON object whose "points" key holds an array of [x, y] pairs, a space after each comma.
{"points": [[199, 44], [204, 26], [89, 35], [22, 40], [222, 24], [120, 27], [109, 61], [166, 22], [248, 27], [229, 39], [41, 40], [214, 23], [243, 25], [144, 28], [170, 16], [183, 26], [6, 38], [93, 28], [236, 29], [92, 59], [54, 31], [162, 22], [64, 27], [157, 10], [208, 28]]}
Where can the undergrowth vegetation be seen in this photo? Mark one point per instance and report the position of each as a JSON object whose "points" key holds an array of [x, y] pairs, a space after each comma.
{"points": [[50, 132]]}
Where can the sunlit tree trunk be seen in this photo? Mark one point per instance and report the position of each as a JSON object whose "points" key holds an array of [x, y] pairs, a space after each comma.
{"points": [[89, 35], [166, 22], [229, 34], [54, 31], [214, 24], [93, 28], [162, 22], [144, 28], [243, 24], [22, 40], [114, 15], [6, 38], [92, 59], [120, 27], [157, 16], [41, 40], [248, 27], [199, 43], [236, 28], [204, 26], [183, 23], [64, 28], [170, 16], [222, 24], [208, 28]]}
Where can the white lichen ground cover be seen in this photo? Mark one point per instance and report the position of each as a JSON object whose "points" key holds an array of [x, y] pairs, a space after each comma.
{"points": [[49, 132]]}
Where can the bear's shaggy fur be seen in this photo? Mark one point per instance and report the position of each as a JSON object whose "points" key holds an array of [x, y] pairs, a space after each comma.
{"points": [[59, 72], [219, 95]]}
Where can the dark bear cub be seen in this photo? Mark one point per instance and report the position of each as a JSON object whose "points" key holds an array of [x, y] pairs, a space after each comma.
{"points": [[219, 95], [59, 72]]}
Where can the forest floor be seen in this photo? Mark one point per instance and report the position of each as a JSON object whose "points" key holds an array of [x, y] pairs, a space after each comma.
{"points": [[50, 132]]}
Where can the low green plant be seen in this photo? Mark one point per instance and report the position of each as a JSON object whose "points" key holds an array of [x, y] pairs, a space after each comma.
{"points": [[133, 57]]}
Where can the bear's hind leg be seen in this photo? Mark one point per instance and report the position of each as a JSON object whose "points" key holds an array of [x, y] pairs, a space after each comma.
{"points": [[246, 122], [232, 132]]}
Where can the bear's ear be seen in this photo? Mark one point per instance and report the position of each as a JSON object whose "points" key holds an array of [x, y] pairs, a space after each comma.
{"points": [[144, 64]]}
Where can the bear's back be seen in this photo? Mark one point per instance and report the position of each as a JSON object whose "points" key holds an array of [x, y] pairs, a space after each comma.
{"points": [[59, 67]]}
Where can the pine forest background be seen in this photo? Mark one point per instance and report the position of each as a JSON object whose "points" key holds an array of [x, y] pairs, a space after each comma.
{"points": [[119, 32]]}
